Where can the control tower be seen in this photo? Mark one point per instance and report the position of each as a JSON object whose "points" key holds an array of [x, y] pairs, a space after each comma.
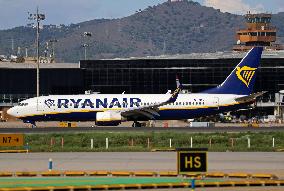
{"points": [[259, 32]]}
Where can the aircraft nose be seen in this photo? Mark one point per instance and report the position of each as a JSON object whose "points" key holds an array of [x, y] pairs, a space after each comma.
{"points": [[11, 112]]}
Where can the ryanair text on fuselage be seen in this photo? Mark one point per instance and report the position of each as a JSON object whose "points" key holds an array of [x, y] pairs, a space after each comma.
{"points": [[96, 103]]}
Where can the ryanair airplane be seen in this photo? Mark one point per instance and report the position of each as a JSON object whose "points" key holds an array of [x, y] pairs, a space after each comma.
{"points": [[112, 109]]}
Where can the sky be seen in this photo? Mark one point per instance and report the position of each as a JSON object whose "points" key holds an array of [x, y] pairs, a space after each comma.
{"points": [[15, 12]]}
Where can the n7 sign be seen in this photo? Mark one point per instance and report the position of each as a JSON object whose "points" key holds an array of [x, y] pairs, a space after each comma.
{"points": [[11, 140]]}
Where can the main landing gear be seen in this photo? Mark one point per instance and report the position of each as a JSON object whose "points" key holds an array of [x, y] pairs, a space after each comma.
{"points": [[136, 124], [32, 123]]}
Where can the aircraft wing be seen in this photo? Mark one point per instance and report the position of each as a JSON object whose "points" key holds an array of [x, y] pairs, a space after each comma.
{"points": [[150, 111], [250, 97]]}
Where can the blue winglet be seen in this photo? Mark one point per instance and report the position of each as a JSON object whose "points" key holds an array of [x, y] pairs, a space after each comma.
{"points": [[178, 82]]}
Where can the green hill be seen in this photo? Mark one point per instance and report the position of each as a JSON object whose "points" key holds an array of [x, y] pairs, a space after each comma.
{"points": [[168, 28]]}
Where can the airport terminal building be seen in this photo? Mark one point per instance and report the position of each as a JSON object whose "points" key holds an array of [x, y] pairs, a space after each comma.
{"points": [[197, 72]]}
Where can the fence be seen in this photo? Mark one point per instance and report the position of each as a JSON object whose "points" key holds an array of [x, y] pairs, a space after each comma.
{"points": [[144, 143]]}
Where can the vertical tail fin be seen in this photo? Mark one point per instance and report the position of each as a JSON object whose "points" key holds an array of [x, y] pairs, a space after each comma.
{"points": [[241, 80]]}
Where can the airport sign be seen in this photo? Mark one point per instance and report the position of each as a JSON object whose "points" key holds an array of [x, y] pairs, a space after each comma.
{"points": [[191, 160], [7, 140]]}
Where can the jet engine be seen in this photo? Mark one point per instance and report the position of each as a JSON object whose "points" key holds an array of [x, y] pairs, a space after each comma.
{"points": [[108, 118]]}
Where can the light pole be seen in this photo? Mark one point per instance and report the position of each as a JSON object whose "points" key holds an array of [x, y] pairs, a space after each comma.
{"points": [[85, 50], [37, 17], [53, 41], [86, 44]]}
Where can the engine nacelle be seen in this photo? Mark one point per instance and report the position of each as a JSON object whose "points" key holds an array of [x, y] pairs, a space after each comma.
{"points": [[108, 118]]}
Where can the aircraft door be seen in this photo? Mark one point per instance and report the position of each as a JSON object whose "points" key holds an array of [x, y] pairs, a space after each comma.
{"points": [[216, 102], [40, 105]]}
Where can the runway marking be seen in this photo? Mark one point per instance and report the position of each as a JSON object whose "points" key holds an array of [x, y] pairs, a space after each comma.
{"points": [[134, 183], [39, 182]]}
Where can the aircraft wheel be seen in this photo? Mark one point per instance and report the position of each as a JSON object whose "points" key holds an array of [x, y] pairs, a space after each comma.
{"points": [[136, 124]]}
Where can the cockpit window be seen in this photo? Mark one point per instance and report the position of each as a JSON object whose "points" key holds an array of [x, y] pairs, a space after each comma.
{"points": [[23, 104]]}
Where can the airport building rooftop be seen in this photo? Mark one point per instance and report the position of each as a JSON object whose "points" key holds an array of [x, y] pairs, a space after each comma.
{"points": [[216, 55], [201, 56], [33, 65]]}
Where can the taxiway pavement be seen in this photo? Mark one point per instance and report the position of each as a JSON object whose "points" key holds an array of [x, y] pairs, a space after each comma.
{"points": [[249, 162]]}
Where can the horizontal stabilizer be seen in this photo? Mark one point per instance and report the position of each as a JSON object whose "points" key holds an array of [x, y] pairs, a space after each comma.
{"points": [[250, 97]]}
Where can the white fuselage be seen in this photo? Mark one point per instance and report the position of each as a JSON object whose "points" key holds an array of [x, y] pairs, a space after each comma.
{"points": [[85, 107]]}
